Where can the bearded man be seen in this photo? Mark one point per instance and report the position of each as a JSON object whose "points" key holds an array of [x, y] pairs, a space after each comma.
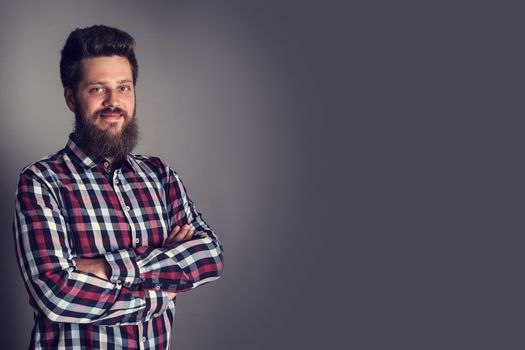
{"points": [[105, 239]]}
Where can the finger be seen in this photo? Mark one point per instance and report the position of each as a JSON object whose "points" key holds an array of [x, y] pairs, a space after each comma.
{"points": [[172, 234], [177, 234], [186, 234], [189, 234], [181, 235]]}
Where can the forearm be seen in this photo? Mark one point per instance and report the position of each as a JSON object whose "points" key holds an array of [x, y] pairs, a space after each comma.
{"points": [[100, 268], [73, 296], [174, 268]]}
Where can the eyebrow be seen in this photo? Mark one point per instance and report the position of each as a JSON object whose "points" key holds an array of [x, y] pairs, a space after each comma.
{"points": [[94, 82]]}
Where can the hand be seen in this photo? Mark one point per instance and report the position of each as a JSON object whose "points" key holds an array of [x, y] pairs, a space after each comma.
{"points": [[97, 266], [179, 234]]}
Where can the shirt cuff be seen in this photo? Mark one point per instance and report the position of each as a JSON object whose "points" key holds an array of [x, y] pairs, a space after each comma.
{"points": [[156, 303], [124, 268]]}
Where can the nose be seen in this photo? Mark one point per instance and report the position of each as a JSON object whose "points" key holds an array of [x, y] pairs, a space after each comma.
{"points": [[111, 99]]}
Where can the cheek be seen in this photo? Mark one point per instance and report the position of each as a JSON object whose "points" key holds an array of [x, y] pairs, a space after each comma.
{"points": [[89, 103], [92, 105], [130, 104]]}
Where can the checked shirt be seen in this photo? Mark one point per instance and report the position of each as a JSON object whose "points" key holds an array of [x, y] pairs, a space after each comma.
{"points": [[71, 206]]}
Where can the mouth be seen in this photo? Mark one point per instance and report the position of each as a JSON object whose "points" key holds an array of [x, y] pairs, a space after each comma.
{"points": [[111, 116]]}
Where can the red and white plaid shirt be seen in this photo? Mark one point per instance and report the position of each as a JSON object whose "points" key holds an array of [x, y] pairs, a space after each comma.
{"points": [[68, 206]]}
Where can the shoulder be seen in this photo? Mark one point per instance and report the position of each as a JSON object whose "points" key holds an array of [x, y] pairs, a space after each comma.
{"points": [[46, 166], [152, 164], [44, 172]]}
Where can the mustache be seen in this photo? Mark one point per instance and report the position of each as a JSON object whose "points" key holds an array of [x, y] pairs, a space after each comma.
{"points": [[109, 110]]}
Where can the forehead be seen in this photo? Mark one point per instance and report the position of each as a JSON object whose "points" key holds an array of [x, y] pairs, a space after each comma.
{"points": [[106, 68]]}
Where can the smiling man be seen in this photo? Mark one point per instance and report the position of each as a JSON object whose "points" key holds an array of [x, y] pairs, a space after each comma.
{"points": [[104, 107], [105, 239]]}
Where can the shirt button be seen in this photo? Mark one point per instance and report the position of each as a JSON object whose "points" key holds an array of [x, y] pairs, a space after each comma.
{"points": [[137, 240], [106, 164], [128, 208], [157, 287], [115, 182], [143, 339]]}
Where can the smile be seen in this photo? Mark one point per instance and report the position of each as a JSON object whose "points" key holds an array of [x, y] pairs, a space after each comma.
{"points": [[111, 116]]}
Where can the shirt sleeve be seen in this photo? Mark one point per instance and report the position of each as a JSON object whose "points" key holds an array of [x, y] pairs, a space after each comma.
{"points": [[56, 287], [178, 267]]}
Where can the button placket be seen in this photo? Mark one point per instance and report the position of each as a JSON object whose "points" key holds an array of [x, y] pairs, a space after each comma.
{"points": [[141, 338], [126, 208]]}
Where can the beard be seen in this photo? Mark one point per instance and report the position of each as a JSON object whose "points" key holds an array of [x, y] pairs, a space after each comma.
{"points": [[105, 143]]}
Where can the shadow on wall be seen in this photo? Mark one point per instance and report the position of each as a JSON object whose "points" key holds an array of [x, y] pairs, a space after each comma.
{"points": [[14, 301]]}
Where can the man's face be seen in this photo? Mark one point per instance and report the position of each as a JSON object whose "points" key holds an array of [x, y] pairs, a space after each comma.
{"points": [[105, 93], [104, 107]]}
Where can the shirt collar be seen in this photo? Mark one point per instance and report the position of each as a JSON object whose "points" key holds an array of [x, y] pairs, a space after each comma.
{"points": [[86, 161]]}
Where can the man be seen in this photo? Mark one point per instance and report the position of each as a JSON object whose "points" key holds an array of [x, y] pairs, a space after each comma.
{"points": [[105, 240]]}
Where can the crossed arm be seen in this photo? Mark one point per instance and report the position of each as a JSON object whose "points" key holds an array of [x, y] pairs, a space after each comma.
{"points": [[122, 287], [100, 267]]}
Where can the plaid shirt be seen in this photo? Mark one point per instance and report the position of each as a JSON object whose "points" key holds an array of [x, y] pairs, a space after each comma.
{"points": [[69, 205]]}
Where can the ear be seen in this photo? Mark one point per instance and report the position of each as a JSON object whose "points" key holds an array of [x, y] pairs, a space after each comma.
{"points": [[70, 99]]}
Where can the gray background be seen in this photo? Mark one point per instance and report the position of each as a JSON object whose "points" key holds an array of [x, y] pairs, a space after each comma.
{"points": [[361, 162]]}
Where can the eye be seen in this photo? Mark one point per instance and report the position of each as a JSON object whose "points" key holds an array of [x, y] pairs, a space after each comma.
{"points": [[124, 88], [96, 90]]}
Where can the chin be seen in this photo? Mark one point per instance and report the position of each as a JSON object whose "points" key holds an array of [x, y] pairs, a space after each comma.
{"points": [[111, 124]]}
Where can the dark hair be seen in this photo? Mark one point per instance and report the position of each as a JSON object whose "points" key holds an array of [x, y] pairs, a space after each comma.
{"points": [[94, 41]]}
